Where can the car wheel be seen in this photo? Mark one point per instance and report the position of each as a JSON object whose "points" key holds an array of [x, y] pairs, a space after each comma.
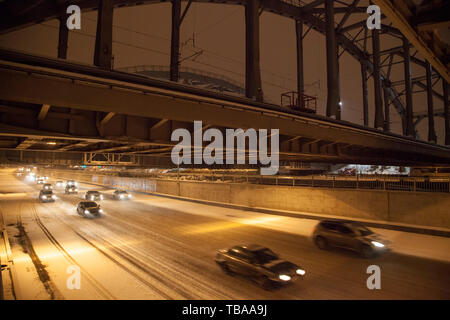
{"points": [[226, 269], [366, 251], [321, 243]]}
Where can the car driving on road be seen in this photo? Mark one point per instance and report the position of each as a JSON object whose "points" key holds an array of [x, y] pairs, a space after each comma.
{"points": [[71, 190], [47, 196], [121, 195], [258, 263], [40, 180], [86, 208], [348, 235], [60, 184], [71, 183], [93, 195], [47, 186]]}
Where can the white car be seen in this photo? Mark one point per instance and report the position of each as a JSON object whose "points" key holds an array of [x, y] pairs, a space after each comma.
{"points": [[60, 184], [121, 195]]}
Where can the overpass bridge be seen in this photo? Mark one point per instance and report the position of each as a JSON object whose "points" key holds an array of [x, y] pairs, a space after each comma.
{"points": [[64, 110], [55, 110]]}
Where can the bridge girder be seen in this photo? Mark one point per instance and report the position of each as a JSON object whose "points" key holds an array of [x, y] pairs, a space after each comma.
{"points": [[14, 15], [147, 130]]}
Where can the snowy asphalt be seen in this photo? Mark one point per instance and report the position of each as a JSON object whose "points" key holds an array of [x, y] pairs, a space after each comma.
{"points": [[158, 248]]}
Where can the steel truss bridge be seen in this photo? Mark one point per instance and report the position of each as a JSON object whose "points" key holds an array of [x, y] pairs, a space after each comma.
{"points": [[53, 110]]}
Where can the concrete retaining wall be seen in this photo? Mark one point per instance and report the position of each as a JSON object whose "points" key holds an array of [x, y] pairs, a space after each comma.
{"points": [[420, 208]]}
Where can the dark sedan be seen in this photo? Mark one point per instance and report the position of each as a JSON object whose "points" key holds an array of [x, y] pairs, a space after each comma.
{"points": [[258, 263], [121, 195], [86, 208], [93, 195], [70, 190], [47, 196]]}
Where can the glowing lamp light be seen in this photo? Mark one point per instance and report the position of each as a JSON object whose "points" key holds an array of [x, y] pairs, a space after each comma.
{"points": [[285, 277]]}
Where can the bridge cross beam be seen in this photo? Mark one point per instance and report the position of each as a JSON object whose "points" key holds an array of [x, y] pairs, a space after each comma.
{"points": [[431, 131], [175, 41], [63, 37], [446, 111], [332, 62], [253, 87], [103, 38], [300, 76], [408, 89], [379, 116], [365, 93]]}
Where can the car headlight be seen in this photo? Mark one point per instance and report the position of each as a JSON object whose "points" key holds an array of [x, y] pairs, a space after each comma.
{"points": [[92, 197], [53, 197], [100, 210], [285, 277], [300, 272], [44, 197], [121, 196], [75, 189], [129, 195], [377, 244], [101, 197], [86, 211]]}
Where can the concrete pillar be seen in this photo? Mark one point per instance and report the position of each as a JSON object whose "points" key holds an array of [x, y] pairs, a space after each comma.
{"points": [[253, 88], [175, 41], [63, 37], [431, 131], [379, 117], [300, 78], [103, 39], [365, 94], [332, 62], [408, 89], [446, 112]]}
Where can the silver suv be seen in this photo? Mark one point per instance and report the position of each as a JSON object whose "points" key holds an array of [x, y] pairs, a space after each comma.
{"points": [[349, 235]]}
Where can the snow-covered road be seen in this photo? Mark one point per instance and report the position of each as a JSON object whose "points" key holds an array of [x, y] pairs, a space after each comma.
{"points": [[158, 248]]}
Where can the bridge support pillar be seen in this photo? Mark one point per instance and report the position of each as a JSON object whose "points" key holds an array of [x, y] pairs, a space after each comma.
{"points": [[408, 89], [253, 88], [446, 112], [387, 113], [431, 131], [63, 37], [338, 113], [103, 39], [332, 62], [175, 41], [365, 93], [300, 78], [379, 117]]}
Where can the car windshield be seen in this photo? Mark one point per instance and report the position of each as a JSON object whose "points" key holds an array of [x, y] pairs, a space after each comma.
{"points": [[90, 204], [47, 192], [363, 230], [265, 256], [93, 192]]}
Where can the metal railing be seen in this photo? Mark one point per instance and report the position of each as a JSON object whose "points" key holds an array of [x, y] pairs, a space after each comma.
{"points": [[365, 182], [376, 182]]}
